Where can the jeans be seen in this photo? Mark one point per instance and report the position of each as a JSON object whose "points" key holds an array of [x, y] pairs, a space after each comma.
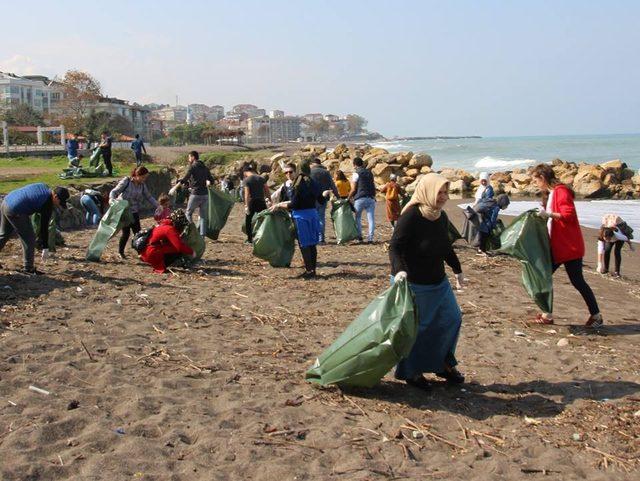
{"points": [[574, 271], [92, 213], [199, 202], [22, 225], [366, 204], [322, 209], [138, 158]]}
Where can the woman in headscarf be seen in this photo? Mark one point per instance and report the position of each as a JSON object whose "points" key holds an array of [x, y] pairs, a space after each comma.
{"points": [[392, 191], [165, 244], [419, 248], [302, 205], [485, 190]]}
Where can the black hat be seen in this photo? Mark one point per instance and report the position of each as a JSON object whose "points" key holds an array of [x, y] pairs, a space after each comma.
{"points": [[63, 195]]}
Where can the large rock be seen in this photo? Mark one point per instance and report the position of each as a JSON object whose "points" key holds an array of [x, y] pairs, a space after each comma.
{"points": [[412, 172], [404, 158], [426, 170], [456, 174], [277, 157], [375, 151], [412, 186], [502, 177], [520, 179], [588, 181], [381, 173], [346, 166], [340, 149], [458, 186], [614, 166], [421, 160]]}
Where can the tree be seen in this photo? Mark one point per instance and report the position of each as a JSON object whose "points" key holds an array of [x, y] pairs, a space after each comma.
{"points": [[336, 129], [79, 92], [23, 115], [355, 124], [319, 127], [99, 122]]}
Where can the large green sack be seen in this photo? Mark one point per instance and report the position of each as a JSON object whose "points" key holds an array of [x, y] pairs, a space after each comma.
{"points": [[527, 240], [493, 241], [377, 340], [113, 220], [52, 235], [344, 222], [219, 207], [95, 157], [274, 237], [191, 236]]}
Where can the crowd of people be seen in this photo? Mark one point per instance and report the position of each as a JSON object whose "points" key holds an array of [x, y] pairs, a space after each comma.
{"points": [[419, 247]]}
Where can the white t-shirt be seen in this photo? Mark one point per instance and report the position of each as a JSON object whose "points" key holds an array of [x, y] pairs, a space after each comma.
{"points": [[355, 177]]}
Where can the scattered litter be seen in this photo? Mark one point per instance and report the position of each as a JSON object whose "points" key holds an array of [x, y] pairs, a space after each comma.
{"points": [[551, 331], [38, 390], [79, 289], [531, 421], [74, 404], [417, 435], [7, 287], [119, 431], [637, 414], [119, 302], [563, 342], [576, 437], [14, 404], [520, 334]]}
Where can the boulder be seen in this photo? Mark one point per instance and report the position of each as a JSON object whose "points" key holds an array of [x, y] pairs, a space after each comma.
{"points": [[635, 180], [404, 158], [277, 157], [498, 187], [455, 174], [412, 172], [340, 149], [614, 166], [374, 151], [589, 171], [426, 170], [520, 179], [503, 177], [406, 180], [627, 174], [346, 166], [588, 185], [412, 186], [421, 160], [457, 186], [381, 173]]}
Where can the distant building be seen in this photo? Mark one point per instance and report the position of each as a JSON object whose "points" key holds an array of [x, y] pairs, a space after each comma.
{"points": [[331, 118], [204, 113], [276, 114], [37, 91], [259, 130], [138, 116], [269, 129], [248, 111], [176, 114], [313, 117]]}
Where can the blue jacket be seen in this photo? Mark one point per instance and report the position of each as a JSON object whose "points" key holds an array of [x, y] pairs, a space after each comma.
{"points": [[28, 199]]}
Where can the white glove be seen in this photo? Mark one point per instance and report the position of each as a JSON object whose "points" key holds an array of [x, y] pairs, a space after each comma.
{"points": [[246, 210], [173, 189], [326, 193], [112, 201], [400, 276], [45, 255], [460, 281], [542, 213]]}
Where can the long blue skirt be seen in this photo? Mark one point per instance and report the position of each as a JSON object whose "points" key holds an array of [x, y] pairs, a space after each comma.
{"points": [[439, 325], [307, 226]]}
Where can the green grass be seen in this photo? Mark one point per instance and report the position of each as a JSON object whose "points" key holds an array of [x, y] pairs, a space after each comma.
{"points": [[47, 171]]}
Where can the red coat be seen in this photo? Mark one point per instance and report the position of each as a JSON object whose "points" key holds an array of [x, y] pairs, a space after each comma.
{"points": [[165, 239], [567, 243]]}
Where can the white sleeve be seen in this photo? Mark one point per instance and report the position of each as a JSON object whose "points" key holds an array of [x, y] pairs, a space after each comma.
{"points": [[354, 177], [620, 236], [600, 247]]}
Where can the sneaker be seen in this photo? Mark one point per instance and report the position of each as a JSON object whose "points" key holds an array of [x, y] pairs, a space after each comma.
{"points": [[595, 321], [616, 275], [30, 272], [452, 375]]}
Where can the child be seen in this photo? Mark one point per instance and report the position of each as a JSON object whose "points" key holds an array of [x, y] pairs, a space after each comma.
{"points": [[164, 209]]}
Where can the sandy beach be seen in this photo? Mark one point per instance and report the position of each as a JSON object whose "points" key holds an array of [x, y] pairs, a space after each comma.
{"points": [[200, 375]]}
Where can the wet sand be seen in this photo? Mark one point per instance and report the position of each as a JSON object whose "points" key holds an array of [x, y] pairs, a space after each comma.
{"points": [[200, 375]]}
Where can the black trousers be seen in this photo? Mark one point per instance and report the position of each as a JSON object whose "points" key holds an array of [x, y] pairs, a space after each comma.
{"points": [[126, 232], [310, 257], [255, 206], [574, 271], [617, 252], [107, 162]]}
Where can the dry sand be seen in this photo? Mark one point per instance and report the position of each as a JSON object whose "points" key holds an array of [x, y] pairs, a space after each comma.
{"points": [[199, 375]]}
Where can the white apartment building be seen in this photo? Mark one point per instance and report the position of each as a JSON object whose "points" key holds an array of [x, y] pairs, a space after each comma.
{"points": [[268, 129], [137, 115], [37, 91], [276, 114]]}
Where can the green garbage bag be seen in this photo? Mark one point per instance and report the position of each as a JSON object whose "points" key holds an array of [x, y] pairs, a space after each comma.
{"points": [[344, 222], [493, 241], [274, 237], [191, 236], [527, 240], [95, 157], [453, 233], [377, 340], [52, 237], [219, 207], [113, 220]]}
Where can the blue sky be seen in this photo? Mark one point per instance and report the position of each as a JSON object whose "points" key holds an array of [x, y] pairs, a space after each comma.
{"points": [[492, 68]]}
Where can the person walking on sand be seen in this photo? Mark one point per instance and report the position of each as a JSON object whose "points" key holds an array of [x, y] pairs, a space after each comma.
{"points": [[255, 192], [15, 212], [304, 197], [565, 237], [105, 150], [322, 177], [363, 193], [343, 185], [198, 177], [418, 250], [165, 244], [392, 192], [484, 190], [134, 190], [138, 147]]}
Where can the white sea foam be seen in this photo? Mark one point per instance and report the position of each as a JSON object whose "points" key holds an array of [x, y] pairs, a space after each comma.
{"points": [[391, 146], [489, 162]]}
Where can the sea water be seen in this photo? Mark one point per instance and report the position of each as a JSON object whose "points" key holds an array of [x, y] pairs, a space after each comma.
{"points": [[507, 153]]}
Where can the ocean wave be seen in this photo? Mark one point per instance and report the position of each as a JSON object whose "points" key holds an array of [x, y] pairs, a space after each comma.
{"points": [[488, 162], [391, 146]]}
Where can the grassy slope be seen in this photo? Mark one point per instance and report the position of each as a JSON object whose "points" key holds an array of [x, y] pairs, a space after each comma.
{"points": [[13, 177]]}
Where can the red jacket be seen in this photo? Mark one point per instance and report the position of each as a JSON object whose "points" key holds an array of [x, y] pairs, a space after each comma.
{"points": [[567, 243], [165, 239]]}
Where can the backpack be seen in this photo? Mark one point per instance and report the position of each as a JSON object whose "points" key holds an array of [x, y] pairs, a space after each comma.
{"points": [[141, 240]]}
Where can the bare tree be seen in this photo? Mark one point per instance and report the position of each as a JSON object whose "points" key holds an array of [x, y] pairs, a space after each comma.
{"points": [[355, 124], [79, 91]]}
